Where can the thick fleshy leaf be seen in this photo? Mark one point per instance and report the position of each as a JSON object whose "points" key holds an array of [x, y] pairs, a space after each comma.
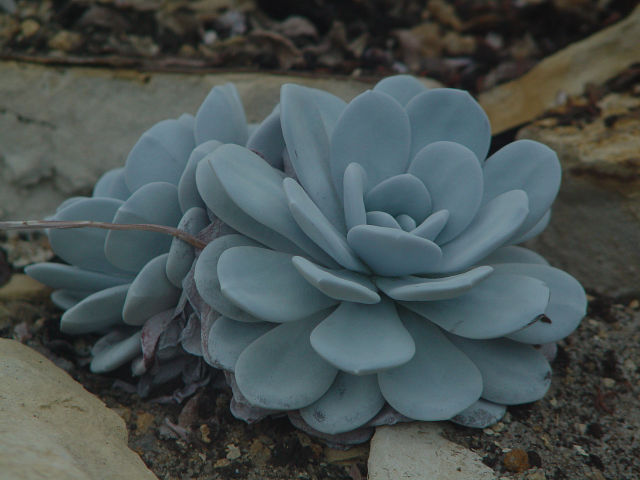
{"points": [[373, 131], [493, 226], [480, 415], [267, 140], [407, 223], [420, 289], [228, 338], [567, 303], [355, 185], [393, 252], [265, 284], [188, 195], [67, 277], [499, 305], [536, 230], [155, 203], [453, 177], [181, 254], [208, 283], [362, 339], [524, 165], [65, 299], [512, 373], [221, 117], [281, 371], [117, 354], [339, 284], [160, 155], [437, 383], [100, 310], [150, 293], [401, 194], [382, 219], [447, 114], [433, 225], [112, 185], [316, 226], [307, 141], [351, 402], [84, 247], [514, 254], [401, 87], [256, 188]]}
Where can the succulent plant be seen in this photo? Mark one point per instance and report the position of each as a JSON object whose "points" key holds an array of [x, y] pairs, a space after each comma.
{"points": [[360, 265], [381, 267]]}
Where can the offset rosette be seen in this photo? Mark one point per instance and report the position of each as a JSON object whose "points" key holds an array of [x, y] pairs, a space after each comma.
{"points": [[127, 285], [374, 261]]}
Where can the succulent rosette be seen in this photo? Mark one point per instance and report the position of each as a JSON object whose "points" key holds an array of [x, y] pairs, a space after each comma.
{"points": [[374, 268], [127, 285]]}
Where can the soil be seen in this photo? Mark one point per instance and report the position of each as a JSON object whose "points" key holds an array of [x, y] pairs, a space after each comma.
{"points": [[586, 427]]}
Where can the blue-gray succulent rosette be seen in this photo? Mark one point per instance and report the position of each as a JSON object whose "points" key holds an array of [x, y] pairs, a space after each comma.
{"points": [[362, 264]]}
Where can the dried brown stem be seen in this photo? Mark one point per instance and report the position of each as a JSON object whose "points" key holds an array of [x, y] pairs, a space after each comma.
{"points": [[147, 227]]}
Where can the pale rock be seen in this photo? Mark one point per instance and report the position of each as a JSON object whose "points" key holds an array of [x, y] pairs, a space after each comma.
{"points": [[65, 41], [595, 223], [51, 427], [23, 287], [595, 60], [417, 451], [87, 120]]}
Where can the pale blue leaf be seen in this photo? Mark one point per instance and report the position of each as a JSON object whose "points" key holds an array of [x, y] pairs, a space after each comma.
{"points": [[536, 230], [112, 185], [481, 414], [98, 311], [281, 371], [382, 219], [307, 140], [160, 155], [339, 284], [355, 185], [256, 188], [514, 254], [117, 354], [373, 131], [265, 284], [208, 283], [447, 114], [316, 226], [150, 293], [155, 203], [407, 223], [401, 87], [420, 289], [512, 373], [67, 277], [362, 339], [401, 194], [350, 403], [524, 165], [188, 195], [84, 247], [221, 117], [497, 306], [567, 303], [393, 252], [267, 140], [65, 299], [228, 338], [437, 383], [181, 254], [491, 228], [453, 177], [432, 225]]}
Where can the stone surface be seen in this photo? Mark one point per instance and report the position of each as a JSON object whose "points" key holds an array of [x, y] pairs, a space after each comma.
{"points": [[594, 232], [593, 60], [23, 287], [417, 451], [51, 427], [60, 129]]}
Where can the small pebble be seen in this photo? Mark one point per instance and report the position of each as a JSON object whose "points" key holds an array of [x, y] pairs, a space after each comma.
{"points": [[535, 475], [29, 28], [608, 382], [516, 460], [221, 463], [233, 452], [634, 304], [204, 433], [580, 450]]}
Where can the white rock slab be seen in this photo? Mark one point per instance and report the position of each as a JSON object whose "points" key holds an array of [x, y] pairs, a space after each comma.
{"points": [[51, 427], [417, 451], [61, 128]]}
